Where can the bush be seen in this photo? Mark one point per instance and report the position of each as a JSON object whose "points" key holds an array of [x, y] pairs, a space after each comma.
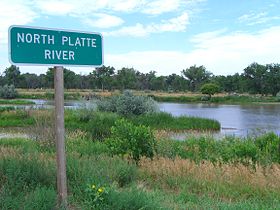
{"points": [[131, 140], [128, 104], [210, 89], [8, 92]]}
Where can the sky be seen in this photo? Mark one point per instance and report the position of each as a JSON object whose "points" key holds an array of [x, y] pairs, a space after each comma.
{"points": [[165, 36]]}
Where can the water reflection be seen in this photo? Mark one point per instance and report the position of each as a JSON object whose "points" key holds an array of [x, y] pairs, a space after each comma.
{"points": [[240, 120]]}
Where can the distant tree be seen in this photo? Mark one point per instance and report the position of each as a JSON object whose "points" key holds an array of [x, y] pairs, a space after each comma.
{"points": [[175, 82], [29, 81], [209, 89], [159, 83], [196, 76], [70, 79], [273, 78], [49, 79], [102, 77], [126, 78], [12, 75], [255, 75]]}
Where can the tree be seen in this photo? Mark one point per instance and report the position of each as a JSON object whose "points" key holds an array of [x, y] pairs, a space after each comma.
{"points": [[12, 75], [196, 76], [29, 81], [209, 89], [102, 77], [255, 75], [126, 78], [273, 78], [176, 83], [70, 79]]}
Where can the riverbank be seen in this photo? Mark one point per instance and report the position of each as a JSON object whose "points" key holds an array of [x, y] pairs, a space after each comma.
{"points": [[180, 97], [98, 124], [16, 102], [171, 180]]}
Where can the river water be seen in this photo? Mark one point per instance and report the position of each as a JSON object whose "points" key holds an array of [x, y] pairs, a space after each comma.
{"points": [[238, 120]]}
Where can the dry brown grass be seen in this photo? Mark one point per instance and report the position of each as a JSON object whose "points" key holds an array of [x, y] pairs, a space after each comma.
{"points": [[256, 176]]}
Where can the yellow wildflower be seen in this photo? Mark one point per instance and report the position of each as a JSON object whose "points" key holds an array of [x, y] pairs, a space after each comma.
{"points": [[100, 190], [93, 186]]}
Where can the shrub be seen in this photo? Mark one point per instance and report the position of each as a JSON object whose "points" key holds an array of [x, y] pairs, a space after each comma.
{"points": [[131, 140], [128, 104], [8, 92], [209, 89]]}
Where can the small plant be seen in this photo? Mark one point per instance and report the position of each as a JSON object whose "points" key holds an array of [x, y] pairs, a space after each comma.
{"points": [[134, 141], [8, 92], [128, 104], [96, 195]]}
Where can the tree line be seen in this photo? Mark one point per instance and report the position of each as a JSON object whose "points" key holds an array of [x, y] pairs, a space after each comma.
{"points": [[256, 78]]}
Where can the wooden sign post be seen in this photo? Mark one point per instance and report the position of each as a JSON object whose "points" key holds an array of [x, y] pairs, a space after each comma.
{"points": [[59, 135]]}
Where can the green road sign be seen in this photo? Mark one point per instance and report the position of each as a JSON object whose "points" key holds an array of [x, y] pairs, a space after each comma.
{"points": [[42, 46]]}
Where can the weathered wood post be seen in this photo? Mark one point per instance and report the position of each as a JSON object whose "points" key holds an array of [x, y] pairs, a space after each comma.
{"points": [[60, 136]]}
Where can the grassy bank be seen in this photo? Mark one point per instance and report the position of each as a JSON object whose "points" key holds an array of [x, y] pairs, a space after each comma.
{"points": [[27, 177], [181, 97], [98, 124], [15, 102], [15, 118]]}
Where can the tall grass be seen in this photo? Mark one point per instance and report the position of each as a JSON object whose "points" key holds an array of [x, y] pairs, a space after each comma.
{"points": [[98, 124], [15, 118], [27, 179], [263, 149], [166, 121]]}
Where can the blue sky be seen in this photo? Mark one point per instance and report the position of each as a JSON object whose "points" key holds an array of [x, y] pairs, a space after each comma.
{"points": [[166, 36]]}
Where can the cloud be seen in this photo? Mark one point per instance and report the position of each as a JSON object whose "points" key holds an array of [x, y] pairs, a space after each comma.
{"points": [[221, 53], [177, 24], [253, 18], [103, 21], [161, 6], [14, 12], [153, 7]]}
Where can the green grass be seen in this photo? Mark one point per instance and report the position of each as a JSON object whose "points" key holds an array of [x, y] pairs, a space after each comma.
{"points": [[49, 95], [165, 121], [16, 118], [27, 179], [98, 124], [16, 102], [263, 149]]}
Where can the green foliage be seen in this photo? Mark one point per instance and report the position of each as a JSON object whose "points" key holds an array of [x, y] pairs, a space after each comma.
{"points": [[125, 174], [6, 108], [263, 149], [128, 104], [8, 92], [96, 195], [27, 179], [196, 76], [16, 102], [98, 124], [131, 140], [16, 118], [209, 89], [163, 120]]}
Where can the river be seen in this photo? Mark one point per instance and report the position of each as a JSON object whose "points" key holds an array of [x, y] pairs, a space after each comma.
{"points": [[238, 120]]}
